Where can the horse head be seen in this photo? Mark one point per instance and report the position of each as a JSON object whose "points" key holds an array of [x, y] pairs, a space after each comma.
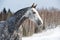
{"points": [[33, 15]]}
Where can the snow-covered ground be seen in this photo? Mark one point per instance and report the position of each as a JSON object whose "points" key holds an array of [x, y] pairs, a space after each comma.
{"points": [[50, 34]]}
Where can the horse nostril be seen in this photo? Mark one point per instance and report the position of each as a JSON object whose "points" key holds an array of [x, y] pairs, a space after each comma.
{"points": [[39, 22]]}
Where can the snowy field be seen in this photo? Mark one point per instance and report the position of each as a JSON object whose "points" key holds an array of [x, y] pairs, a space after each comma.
{"points": [[50, 34]]}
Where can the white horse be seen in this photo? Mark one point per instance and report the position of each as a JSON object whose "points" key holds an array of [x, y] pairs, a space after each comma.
{"points": [[9, 28]]}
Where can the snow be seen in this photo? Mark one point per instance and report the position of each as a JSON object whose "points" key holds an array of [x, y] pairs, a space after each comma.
{"points": [[50, 34]]}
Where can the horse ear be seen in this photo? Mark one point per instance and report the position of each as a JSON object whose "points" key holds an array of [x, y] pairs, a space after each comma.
{"points": [[34, 5]]}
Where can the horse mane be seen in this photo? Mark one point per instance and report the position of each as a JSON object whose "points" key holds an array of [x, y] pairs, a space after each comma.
{"points": [[22, 11]]}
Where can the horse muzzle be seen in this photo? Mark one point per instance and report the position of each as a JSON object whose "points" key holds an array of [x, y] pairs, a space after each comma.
{"points": [[38, 22]]}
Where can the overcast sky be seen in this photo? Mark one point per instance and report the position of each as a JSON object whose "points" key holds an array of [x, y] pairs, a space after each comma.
{"points": [[15, 5]]}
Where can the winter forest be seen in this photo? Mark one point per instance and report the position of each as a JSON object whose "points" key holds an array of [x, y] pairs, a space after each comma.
{"points": [[51, 19], [10, 19]]}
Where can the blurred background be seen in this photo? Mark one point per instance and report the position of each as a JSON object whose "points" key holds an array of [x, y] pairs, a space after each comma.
{"points": [[15, 5], [49, 11]]}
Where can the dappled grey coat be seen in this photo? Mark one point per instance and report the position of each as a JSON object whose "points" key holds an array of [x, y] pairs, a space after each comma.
{"points": [[9, 28]]}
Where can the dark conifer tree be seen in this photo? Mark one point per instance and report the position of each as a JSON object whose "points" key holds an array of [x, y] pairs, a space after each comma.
{"points": [[4, 11], [9, 13]]}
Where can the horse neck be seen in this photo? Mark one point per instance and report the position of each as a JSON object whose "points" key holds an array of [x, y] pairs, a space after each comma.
{"points": [[14, 23], [16, 20], [19, 16], [19, 20]]}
